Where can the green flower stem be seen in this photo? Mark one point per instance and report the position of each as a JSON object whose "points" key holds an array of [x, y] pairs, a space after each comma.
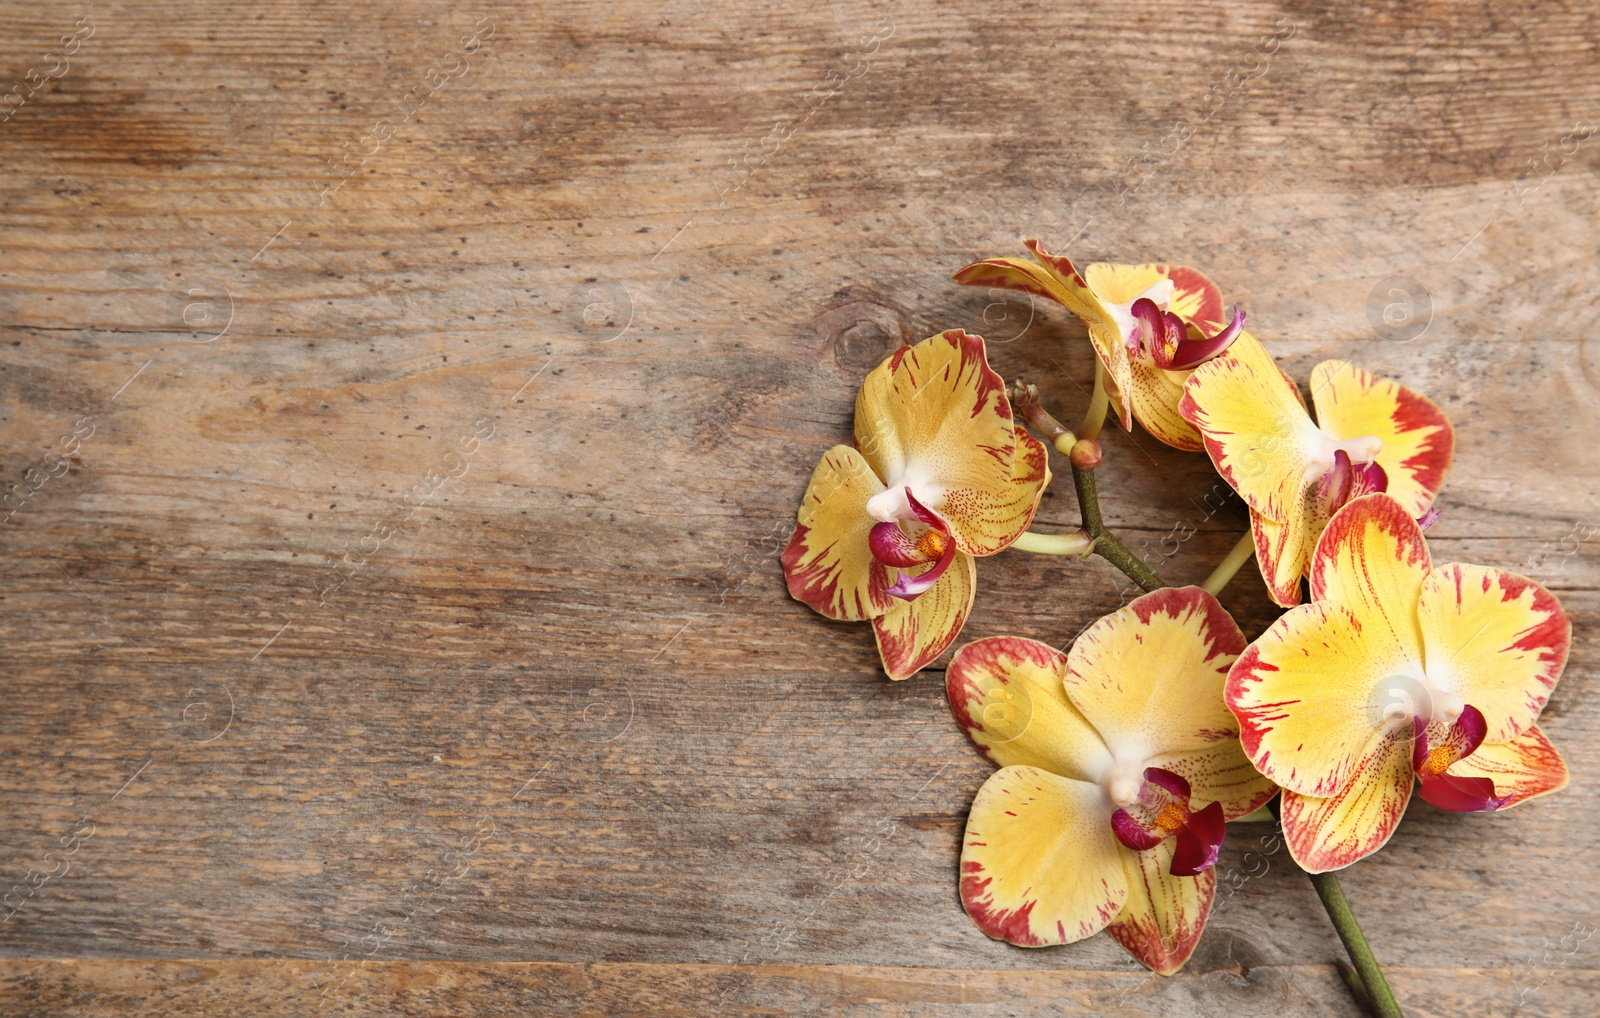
{"points": [[1106, 544], [1095, 419], [1369, 977], [1076, 543], [1240, 554]]}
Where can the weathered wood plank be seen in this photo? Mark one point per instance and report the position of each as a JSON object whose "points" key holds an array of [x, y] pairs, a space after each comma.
{"points": [[565, 712]]}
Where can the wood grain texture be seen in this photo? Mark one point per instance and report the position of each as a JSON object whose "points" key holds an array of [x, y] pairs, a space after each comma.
{"points": [[552, 735]]}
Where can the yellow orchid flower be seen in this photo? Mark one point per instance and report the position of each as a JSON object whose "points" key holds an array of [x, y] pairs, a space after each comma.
{"points": [[938, 476], [1398, 673], [1119, 766], [1370, 434], [1150, 325]]}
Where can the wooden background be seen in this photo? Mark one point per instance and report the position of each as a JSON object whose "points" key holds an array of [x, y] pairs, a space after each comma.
{"points": [[552, 739]]}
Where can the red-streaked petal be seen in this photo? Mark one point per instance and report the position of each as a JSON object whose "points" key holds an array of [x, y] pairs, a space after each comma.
{"points": [[1497, 640], [828, 563], [1282, 553], [1255, 428], [1525, 767], [1153, 396], [935, 417], [1161, 922], [988, 521], [1006, 693], [1039, 864], [1330, 834], [1199, 841], [1195, 298], [913, 634], [1372, 560], [1149, 676], [1309, 694], [1418, 441]]}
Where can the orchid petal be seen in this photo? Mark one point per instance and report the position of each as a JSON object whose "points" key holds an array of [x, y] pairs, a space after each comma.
{"points": [[1255, 428], [1199, 841], [935, 418], [1331, 833], [1372, 559], [1039, 864], [1220, 773], [912, 634], [828, 564], [1006, 693], [1417, 438], [1154, 395], [1283, 550], [1149, 676], [1497, 640], [1525, 767], [989, 520], [1161, 922], [1310, 697]]}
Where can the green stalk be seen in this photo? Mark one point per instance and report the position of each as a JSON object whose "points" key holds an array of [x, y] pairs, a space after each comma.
{"points": [[1225, 570], [1095, 419], [1106, 544], [1371, 981]]}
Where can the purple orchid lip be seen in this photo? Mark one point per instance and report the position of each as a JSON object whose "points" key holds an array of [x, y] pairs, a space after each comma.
{"points": [[1164, 337], [1429, 518], [1347, 480], [1440, 788], [894, 547], [1164, 803]]}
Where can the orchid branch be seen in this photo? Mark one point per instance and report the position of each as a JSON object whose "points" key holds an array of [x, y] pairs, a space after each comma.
{"points": [[1084, 453], [1368, 975], [1106, 544]]}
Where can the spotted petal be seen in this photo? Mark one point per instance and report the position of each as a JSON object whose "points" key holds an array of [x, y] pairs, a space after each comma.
{"points": [[1303, 694], [828, 564], [1255, 428], [1417, 438], [1039, 864], [1052, 277], [1331, 833], [1154, 395], [1372, 559], [1161, 922], [935, 417], [1520, 769], [1149, 676], [1220, 773], [1495, 639], [912, 634], [1006, 693]]}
